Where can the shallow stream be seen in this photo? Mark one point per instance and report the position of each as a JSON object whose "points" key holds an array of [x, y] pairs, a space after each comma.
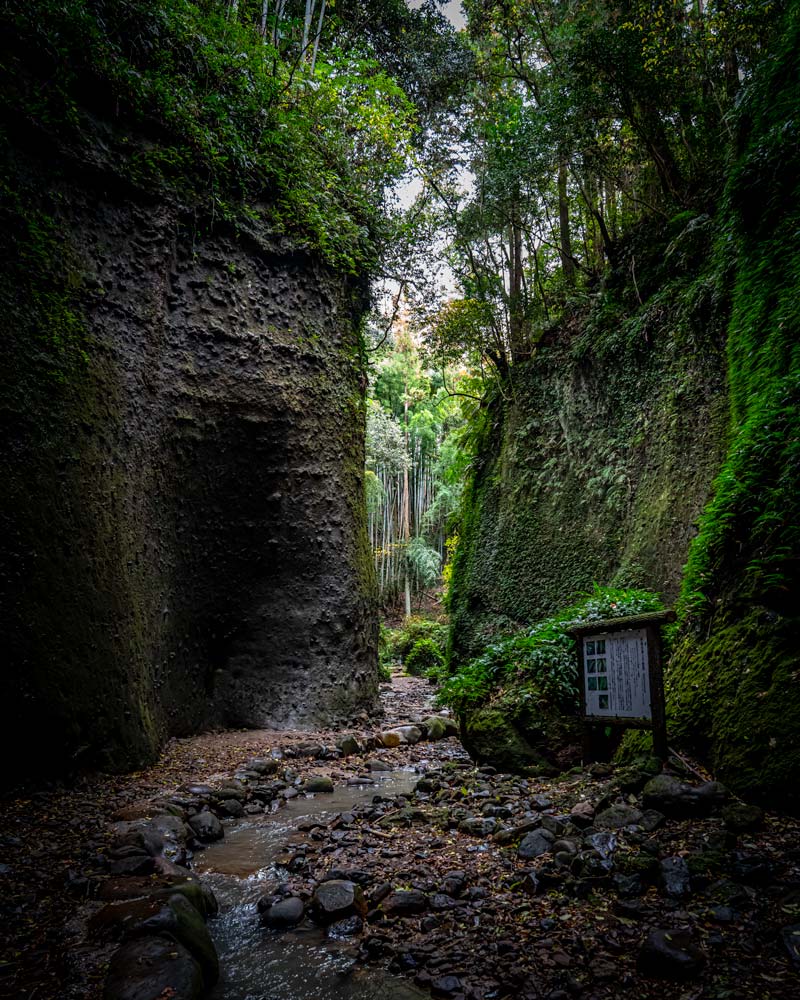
{"points": [[300, 964]]}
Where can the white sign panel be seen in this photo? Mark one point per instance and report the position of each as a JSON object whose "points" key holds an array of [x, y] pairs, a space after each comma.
{"points": [[616, 675]]}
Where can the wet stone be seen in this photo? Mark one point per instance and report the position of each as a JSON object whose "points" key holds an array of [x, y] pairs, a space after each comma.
{"points": [[206, 826], [231, 807], [153, 967], [283, 914], [445, 986], [337, 899], [348, 927]]}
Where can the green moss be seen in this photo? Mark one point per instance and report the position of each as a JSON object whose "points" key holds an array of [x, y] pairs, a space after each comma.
{"points": [[598, 460], [490, 736], [733, 686], [734, 698]]}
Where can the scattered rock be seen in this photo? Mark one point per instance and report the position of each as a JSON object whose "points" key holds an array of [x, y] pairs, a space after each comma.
{"points": [[206, 826], [284, 914], [348, 927], [617, 817], [405, 903], [740, 817], [534, 844], [445, 986], [318, 783], [674, 877], [670, 954], [337, 899], [790, 937], [478, 827], [262, 765], [231, 807], [153, 967], [582, 814], [349, 746]]}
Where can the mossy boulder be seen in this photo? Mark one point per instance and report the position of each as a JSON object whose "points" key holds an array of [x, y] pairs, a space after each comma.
{"points": [[491, 738]]}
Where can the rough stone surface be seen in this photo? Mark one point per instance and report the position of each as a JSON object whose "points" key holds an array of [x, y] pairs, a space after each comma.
{"points": [[670, 954], [186, 506], [676, 798], [336, 899], [616, 817], [206, 826], [152, 967], [534, 844]]}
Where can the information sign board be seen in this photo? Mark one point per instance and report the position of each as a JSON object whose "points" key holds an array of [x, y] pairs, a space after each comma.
{"points": [[616, 676], [620, 674]]}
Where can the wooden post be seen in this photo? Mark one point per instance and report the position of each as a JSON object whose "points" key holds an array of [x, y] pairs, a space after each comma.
{"points": [[657, 707]]}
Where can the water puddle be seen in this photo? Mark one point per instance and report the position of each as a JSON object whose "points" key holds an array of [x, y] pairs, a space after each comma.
{"points": [[302, 964]]}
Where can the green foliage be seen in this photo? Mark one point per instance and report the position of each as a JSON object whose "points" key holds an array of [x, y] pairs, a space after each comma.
{"points": [[424, 656], [385, 657], [540, 661], [402, 640], [424, 563], [214, 109], [749, 536]]}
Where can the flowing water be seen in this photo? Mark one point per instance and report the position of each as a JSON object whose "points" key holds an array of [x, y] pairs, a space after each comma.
{"points": [[300, 964]]}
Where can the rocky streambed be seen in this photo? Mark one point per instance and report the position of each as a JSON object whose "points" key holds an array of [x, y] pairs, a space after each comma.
{"points": [[346, 867]]}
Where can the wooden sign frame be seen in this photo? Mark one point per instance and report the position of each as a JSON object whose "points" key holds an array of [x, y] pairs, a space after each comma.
{"points": [[651, 625]]}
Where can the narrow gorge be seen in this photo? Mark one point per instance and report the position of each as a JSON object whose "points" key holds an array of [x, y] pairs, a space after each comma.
{"points": [[399, 508]]}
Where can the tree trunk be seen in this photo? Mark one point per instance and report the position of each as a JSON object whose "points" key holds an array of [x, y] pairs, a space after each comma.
{"points": [[567, 263]]}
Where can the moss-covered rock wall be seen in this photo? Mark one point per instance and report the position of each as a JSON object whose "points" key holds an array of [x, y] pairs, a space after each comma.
{"points": [[734, 684], [183, 536], [655, 442], [598, 456]]}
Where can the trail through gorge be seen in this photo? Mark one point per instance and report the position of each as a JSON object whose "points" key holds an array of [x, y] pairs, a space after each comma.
{"points": [[344, 868]]}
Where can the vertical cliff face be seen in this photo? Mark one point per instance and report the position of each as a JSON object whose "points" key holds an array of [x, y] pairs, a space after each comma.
{"points": [[182, 474], [599, 457]]}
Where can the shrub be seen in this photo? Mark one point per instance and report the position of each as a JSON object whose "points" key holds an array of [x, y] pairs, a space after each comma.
{"points": [[424, 656], [540, 661], [404, 639]]}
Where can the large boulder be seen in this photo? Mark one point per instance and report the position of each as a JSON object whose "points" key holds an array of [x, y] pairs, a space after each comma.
{"points": [[152, 967], [673, 797], [337, 899], [490, 737], [670, 954], [206, 826], [179, 919]]}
